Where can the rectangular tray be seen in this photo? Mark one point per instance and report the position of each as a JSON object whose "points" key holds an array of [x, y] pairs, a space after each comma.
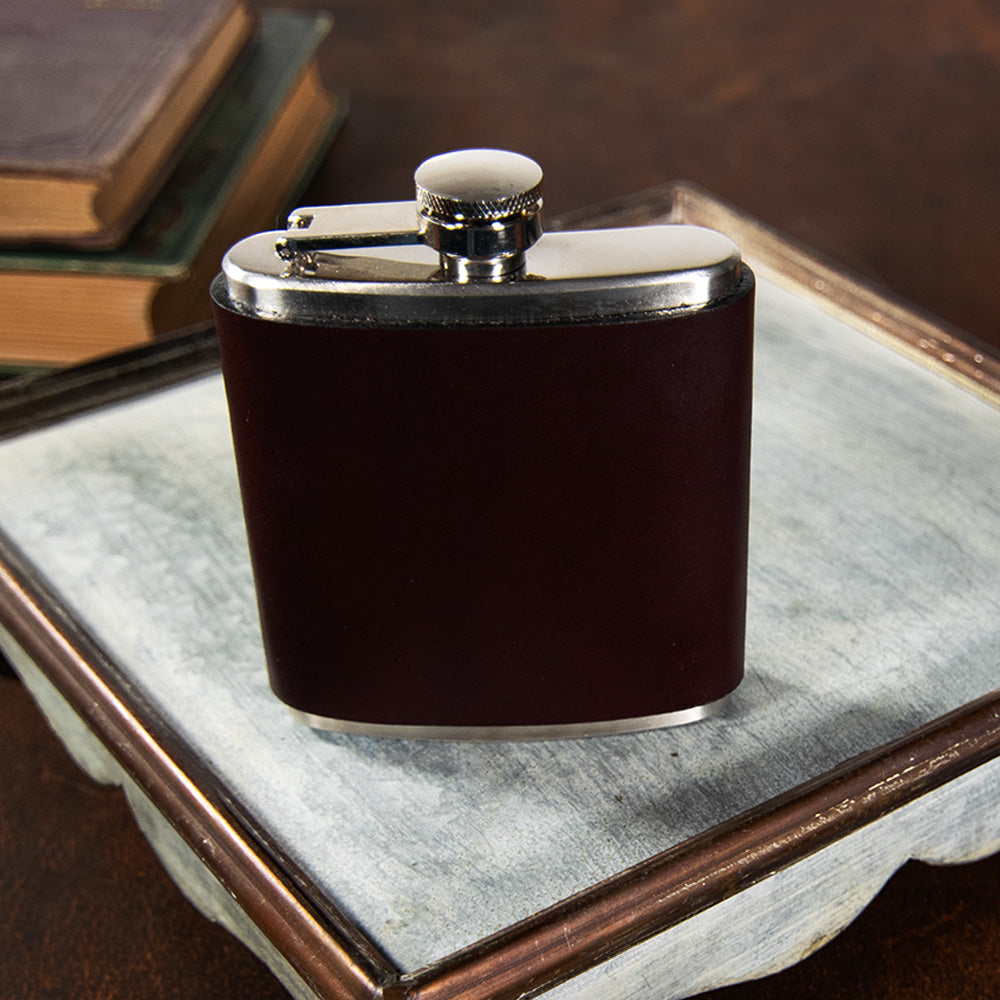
{"points": [[657, 864]]}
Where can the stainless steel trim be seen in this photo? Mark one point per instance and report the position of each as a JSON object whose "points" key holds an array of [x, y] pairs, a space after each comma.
{"points": [[339, 227], [521, 734], [570, 277]]}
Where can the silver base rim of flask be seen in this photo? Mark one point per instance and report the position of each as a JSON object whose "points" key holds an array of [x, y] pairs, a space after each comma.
{"points": [[555, 731]]}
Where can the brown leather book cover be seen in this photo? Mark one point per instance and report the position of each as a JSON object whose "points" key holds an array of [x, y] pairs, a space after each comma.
{"points": [[96, 97], [237, 176]]}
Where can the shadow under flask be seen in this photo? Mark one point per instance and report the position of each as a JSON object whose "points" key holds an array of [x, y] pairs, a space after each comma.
{"points": [[495, 480]]}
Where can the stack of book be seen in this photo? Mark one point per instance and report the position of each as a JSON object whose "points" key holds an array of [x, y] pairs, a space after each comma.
{"points": [[140, 141]]}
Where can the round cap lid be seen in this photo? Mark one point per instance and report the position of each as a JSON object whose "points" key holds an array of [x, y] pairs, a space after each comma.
{"points": [[481, 208], [478, 185]]}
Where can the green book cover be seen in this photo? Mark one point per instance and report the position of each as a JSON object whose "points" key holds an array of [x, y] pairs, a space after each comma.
{"points": [[167, 238]]}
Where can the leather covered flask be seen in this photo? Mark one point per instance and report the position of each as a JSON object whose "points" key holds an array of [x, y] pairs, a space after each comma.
{"points": [[495, 480]]}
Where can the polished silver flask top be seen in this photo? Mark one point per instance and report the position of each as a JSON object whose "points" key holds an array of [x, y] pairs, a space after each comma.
{"points": [[471, 246]]}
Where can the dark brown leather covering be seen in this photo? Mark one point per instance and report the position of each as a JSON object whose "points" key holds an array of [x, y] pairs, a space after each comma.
{"points": [[497, 526]]}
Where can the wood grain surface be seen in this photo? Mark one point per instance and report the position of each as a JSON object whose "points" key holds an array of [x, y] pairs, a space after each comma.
{"points": [[869, 135]]}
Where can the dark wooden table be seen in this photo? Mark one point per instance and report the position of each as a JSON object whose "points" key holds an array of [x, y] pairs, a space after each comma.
{"points": [[868, 132]]}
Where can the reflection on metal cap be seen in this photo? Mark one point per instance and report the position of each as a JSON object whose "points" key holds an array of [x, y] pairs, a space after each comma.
{"points": [[480, 209]]}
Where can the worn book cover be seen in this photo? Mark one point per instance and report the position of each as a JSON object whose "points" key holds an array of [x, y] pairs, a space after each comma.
{"points": [[239, 176], [97, 98]]}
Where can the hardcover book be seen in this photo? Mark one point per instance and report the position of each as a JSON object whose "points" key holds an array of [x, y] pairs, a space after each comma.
{"points": [[239, 174], [97, 99]]}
